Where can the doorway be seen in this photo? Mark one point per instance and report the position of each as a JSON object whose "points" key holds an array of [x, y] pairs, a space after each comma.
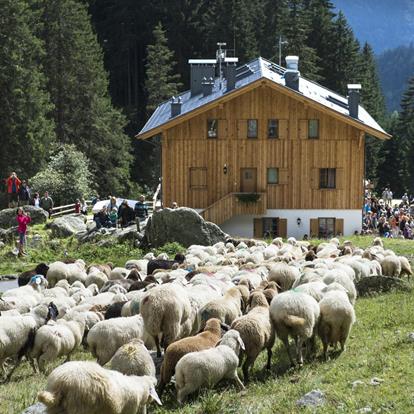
{"points": [[248, 180]]}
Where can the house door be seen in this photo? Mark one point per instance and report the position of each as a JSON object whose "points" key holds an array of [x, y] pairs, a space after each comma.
{"points": [[248, 181]]}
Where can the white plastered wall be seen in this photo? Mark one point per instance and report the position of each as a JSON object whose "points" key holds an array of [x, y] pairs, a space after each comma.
{"points": [[242, 226]]}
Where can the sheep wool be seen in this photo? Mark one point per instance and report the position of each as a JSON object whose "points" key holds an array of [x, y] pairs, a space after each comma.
{"points": [[256, 331], [208, 367], [294, 314], [204, 340], [165, 309], [133, 358], [336, 319], [82, 387]]}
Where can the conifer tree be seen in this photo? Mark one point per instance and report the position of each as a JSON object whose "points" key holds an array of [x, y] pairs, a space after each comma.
{"points": [[160, 83], [373, 101], [25, 130], [344, 59], [393, 170], [78, 87], [406, 132], [296, 28]]}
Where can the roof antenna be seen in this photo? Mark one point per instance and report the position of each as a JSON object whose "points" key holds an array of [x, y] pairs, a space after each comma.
{"points": [[220, 56]]}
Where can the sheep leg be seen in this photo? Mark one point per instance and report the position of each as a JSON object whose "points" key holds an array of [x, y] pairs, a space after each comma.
{"points": [[299, 343], [246, 366], [8, 376], [157, 344], [142, 410], [236, 378], [285, 341], [33, 364], [325, 350], [269, 358], [241, 357]]}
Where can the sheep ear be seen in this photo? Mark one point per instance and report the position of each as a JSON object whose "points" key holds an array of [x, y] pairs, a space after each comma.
{"points": [[224, 326], [241, 343], [154, 395]]}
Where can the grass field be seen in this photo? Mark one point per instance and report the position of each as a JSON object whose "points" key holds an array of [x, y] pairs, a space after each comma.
{"points": [[378, 347]]}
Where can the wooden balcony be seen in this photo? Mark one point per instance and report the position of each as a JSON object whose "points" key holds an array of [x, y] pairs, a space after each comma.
{"points": [[231, 205]]}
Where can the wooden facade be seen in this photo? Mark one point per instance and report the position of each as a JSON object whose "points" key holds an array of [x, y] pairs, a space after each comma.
{"points": [[199, 171]]}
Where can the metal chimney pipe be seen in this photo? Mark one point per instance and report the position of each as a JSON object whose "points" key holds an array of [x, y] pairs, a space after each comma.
{"points": [[353, 99]]}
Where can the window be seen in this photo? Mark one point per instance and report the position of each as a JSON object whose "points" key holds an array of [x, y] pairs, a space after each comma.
{"points": [[273, 175], [327, 178], [212, 128], [273, 128], [270, 227], [326, 227], [198, 178], [252, 128], [313, 129]]}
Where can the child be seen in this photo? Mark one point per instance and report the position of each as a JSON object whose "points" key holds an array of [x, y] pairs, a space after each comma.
{"points": [[23, 219], [113, 216]]}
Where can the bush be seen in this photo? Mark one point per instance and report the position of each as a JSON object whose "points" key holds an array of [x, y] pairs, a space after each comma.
{"points": [[66, 176]]}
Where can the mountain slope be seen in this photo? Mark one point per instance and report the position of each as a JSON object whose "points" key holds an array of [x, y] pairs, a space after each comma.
{"points": [[384, 24], [395, 68]]}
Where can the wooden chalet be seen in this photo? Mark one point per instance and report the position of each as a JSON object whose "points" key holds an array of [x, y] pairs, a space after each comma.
{"points": [[262, 151]]}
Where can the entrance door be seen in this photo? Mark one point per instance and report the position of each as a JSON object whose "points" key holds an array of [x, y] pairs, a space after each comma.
{"points": [[248, 181]]}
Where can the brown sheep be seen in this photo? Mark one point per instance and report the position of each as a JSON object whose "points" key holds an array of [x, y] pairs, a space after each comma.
{"points": [[175, 351]]}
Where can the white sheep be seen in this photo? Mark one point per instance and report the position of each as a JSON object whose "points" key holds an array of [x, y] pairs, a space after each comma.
{"points": [[58, 339], [84, 387], [133, 358], [284, 275], [256, 331], [106, 337], [343, 279], [336, 319], [208, 367], [164, 310], [294, 314]]}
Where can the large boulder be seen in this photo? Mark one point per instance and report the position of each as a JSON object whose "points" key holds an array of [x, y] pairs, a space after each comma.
{"points": [[8, 216], [67, 226], [182, 225]]}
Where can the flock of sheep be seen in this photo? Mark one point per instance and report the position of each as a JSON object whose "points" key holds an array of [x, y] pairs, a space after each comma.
{"points": [[210, 311]]}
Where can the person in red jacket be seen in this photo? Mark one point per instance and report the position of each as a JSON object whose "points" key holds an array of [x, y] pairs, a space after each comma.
{"points": [[13, 186], [23, 219]]}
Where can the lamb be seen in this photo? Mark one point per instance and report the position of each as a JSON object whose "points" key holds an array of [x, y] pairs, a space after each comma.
{"points": [[256, 331], [118, 273], [83, 387], [106, 337], [337, 316], [58, 339], [227, 308], [295, 314], [284, 275], [165, 309], [405, 266], [208, 367], [133, 358], [204, 340]]}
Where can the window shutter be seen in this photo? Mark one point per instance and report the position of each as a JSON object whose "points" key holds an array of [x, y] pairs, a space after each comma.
{"points": [[339, 179], [282, 228], [339, 226], [258, 228], [314, 228], [314, 179], [303, 129], [222, 129], [283, 176], [198, 177], [283, 129], [242, 128]]}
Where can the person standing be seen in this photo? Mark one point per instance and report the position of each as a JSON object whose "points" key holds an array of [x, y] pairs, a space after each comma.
{"points": [[36, 200], [13, 186], [83, 207], [77, 206], [23, 219], [47, 203], [24, 194], [141, 211]]}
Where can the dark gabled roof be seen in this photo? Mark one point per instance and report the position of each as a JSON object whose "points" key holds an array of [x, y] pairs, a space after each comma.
{"points": [[249, 73]]}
